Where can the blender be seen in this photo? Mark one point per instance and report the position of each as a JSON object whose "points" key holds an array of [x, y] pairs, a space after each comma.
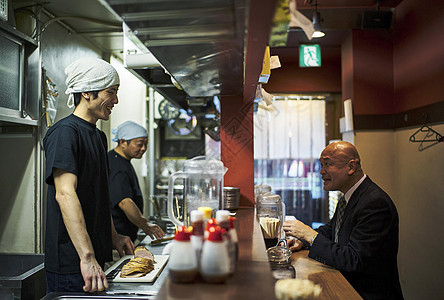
{"points": [[202, 180]]}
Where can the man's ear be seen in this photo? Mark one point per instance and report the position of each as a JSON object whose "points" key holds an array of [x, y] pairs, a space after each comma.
{"points": [[86, 95], [352, 165]]}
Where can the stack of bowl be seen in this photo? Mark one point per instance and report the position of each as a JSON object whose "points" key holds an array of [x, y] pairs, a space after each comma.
{"points": [[231, 198]]}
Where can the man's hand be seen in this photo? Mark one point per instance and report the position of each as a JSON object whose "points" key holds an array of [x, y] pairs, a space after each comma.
{"points": [[298, 230], [123, 244], [294, 244], [93, 275], [135, 216], [154, 231]]}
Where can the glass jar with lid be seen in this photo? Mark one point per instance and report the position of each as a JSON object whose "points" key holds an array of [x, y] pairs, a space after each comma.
{"points": [[270, 211], [261, 189]]}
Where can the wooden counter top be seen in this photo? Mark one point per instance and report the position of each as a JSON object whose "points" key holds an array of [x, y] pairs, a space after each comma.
{"points": [[334, 285], [253, 278]]}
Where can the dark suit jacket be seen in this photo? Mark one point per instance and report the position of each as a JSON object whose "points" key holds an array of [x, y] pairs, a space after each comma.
{"points": [[367, 248]]}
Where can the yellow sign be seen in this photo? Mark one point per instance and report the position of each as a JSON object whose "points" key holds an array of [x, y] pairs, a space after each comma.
{"points": [[266, 69]]}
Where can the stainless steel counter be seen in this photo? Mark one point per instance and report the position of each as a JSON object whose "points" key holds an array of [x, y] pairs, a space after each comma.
{"points": [[118, 290], [22, 276]]}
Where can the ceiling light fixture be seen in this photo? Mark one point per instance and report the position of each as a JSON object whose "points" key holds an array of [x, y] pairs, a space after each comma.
{"points": [[318, 31]]}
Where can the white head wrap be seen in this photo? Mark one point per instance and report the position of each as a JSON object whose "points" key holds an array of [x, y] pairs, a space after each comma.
{"points": [[128, 131], [89, 74]]}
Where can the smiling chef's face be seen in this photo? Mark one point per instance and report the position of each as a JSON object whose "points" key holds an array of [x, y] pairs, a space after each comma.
{"points": [[101, 107]]}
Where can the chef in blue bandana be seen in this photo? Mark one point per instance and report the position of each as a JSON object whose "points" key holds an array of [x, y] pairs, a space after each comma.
{"points": [[125, 194]]}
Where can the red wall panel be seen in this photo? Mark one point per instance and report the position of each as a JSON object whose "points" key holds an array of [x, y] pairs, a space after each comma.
{"points": [[372, 72], [290, 78], [237, 146], [418, 54]]}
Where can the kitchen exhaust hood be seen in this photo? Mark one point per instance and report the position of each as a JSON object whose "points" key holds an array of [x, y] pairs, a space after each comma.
{"points": [[198, 43]]}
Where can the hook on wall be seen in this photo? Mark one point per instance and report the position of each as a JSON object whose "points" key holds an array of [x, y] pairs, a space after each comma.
{"points": [[430, 136]]}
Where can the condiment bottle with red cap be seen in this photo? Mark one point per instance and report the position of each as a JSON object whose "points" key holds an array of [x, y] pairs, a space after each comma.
{"points": [[214, 261], [210, 223], [182, 262], [223, 220], [233, 234], [207, 211], [197, 236]]}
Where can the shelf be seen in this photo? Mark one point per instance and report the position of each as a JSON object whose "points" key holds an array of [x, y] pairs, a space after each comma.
{"points": [[18, 34]]}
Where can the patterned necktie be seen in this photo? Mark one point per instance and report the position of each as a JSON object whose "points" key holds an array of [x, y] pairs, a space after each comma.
{"points": [[340, 211]]}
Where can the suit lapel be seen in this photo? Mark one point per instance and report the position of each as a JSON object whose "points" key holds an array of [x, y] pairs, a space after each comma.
{"points": [[356, 196]]}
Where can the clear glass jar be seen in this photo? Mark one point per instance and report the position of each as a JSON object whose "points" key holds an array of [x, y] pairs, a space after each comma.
{"points": [[270, 211], [280, 262], [260, 189]]}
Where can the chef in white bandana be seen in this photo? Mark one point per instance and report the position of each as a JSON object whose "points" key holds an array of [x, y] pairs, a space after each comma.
{"points": [[80, 233]]}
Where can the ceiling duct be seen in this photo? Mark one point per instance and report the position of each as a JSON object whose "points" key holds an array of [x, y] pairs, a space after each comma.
{"points": [[199, 42], [134, 56]]}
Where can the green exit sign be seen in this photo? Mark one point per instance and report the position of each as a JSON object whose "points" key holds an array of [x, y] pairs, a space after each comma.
{"points": [[309, 56]]}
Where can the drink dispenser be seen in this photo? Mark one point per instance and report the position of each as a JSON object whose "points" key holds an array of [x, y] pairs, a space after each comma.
{"points": [[271, 214], [202, 187]]}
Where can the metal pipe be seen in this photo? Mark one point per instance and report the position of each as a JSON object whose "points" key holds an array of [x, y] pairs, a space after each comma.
{"points": [[151, 162]]}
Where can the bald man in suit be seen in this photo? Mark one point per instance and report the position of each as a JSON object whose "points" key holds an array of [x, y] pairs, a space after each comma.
{"points": [[362, 240]]}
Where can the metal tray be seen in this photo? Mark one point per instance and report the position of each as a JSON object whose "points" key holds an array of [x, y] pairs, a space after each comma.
{"points": [[159, 262]]}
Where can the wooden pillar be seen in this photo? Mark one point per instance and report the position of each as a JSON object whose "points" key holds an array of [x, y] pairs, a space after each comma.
{"points": [[237, 146], [237, 151]]}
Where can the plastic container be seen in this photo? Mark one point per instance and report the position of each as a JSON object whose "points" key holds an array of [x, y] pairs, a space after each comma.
{"points": [[214, 262], [182, 262], [197, 235], [210, 223], [223, 220], [207, 212], [233, 234]]}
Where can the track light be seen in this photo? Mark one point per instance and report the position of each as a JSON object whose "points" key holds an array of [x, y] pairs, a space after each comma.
{"points": [[318, 31]]}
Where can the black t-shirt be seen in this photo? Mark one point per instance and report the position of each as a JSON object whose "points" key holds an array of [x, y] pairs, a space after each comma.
{"points": [[77, 146], [123, 183]]}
